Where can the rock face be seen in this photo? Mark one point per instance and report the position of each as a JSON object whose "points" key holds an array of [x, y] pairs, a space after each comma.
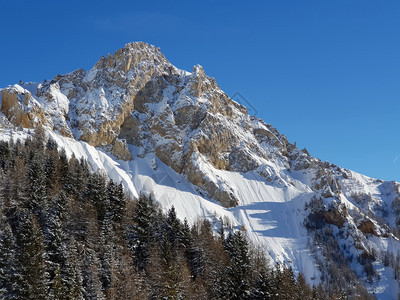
{"points": [[137, 100], [21, 109], [49, 109], [367, 227], [335, 216], [193, 126], [137, 97]]}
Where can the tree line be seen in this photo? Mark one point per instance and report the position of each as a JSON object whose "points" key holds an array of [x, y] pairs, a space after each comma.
{"points": [[69, 233]]}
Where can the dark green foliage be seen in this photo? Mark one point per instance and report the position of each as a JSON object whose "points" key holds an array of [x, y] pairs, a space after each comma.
{"points": [[238, 272], [4, 154], [10, 276], [77, 176], [173, 228], [37, 182], [97, 194], [117, 201], [140, 232], [31, 257], [68, 233]]}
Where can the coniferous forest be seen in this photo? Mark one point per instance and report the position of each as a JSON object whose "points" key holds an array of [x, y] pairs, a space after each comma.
{"points": [[67, 232]]}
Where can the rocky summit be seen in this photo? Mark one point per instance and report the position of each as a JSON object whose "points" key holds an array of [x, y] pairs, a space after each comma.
{"points": [[177, 136]]}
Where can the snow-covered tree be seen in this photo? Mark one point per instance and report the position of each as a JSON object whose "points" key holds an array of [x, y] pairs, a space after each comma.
{"points": [[31, 258]]}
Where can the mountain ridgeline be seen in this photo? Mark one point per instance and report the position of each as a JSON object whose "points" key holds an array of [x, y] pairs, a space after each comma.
{"points": [[176, 137]]}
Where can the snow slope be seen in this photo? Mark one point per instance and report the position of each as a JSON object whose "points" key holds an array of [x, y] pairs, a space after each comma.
{"points": [[272, 216], [196, 149]]}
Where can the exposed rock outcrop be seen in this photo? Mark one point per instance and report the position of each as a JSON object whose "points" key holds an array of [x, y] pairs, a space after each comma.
{"points": [[20, 108], [135, 99], [136, 96], [367, 227], [335, 216], [120, 150]]}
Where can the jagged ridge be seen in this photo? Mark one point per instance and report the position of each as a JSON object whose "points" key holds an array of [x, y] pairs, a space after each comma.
{"points": [[136, 97]]}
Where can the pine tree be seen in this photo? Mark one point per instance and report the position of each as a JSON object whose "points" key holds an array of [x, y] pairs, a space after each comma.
{"points": [[37, 182], [16, 192], [107, 254], [39, 139], [56, 243], [303, 290], [193, 253], [97, 194], [58, 288], [74, 174], [91, 261], [9, 268], [187, 238], [287, 288], [34, 282], [51, 145], [63, 169], [117, 200], [211, 260], [140, 232], [173, 228], [221, 230], [4, 154], [91, 279], [51, 173], [238, 270], [73, 276], [317, 292], [262, 286]]}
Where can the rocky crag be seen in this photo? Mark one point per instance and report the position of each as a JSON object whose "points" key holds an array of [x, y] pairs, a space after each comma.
{"points": [[136, 97]]}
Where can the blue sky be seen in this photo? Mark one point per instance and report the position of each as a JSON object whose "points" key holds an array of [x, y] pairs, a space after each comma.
{"points": [[325, 73]]}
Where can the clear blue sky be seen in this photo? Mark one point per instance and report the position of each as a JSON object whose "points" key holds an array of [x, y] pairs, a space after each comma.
{"points": [[325, 73]]}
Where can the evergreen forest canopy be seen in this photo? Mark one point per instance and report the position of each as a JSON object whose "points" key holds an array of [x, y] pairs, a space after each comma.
{"points": [[67, 232]]}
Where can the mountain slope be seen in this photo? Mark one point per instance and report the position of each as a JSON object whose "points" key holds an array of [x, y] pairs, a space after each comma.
{"points": [[178, 136]]}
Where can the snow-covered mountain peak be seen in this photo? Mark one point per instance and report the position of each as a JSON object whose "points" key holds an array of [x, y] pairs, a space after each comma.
{"points": [[125, 62], [178, 136]]}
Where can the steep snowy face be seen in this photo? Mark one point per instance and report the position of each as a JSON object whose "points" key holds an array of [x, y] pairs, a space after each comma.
{"points": [[89, 105], [103, 97], [136, 95], [194, 127], [148, 121]]}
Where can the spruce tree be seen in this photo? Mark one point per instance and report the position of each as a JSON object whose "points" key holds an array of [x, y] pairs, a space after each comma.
{"points": [[4, 154], [56, 243], [37, 182], [58, 288], [50, 174], [107, 254], [31, 256], [96, 193], [63, 169], [140, 232], [238, 271], [117, 200], [10, 275], [73, 276], [173, 227]]}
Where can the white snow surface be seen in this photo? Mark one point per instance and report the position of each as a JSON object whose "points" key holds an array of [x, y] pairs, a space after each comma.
{"points": [[271, 216], [271, 198]]}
